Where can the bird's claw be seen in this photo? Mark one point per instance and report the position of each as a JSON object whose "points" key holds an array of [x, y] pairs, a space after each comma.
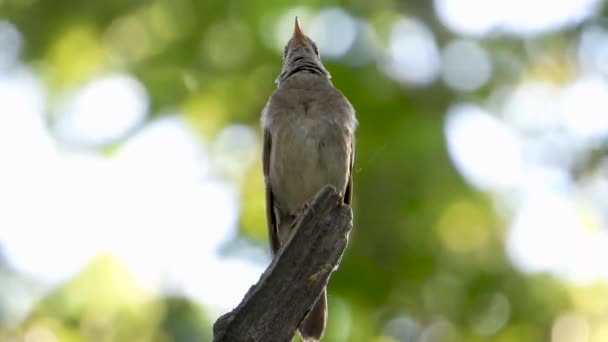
{"points": [[307, 206], [297, 213], [323, 271]]}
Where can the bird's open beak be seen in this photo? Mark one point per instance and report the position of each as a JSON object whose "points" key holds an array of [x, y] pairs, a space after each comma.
{"points": [[297, 32]]}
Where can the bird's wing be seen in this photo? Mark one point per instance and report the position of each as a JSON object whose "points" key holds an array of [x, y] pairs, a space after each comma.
{"points": [[273, 229], [348, 193]]}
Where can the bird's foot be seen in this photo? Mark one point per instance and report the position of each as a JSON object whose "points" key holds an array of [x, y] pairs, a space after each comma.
{"points": [[297, 213], [324, 270], [307, 206]]}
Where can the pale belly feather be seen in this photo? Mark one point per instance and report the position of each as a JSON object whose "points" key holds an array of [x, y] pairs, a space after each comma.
{"points": [[307, 155]]}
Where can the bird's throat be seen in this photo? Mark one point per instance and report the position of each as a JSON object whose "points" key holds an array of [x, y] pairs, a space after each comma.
{"points": [[301, 64]]}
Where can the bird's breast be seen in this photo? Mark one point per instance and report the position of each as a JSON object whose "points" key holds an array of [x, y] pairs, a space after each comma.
{"points": [[307, 153]]}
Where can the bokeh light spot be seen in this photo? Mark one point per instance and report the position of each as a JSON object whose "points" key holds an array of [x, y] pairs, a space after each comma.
{"points": [[584, 104], [443, 294], [467, 16], [334, 31], [571, 252], [463, 227], [164, 148], [491, 313], [571, 327], [440, 331], [40, 333], [104, 110], [470, 130], [128, 38], [532, 107], [519, 17], [593, 50], [365, 49], [413, 56], [403, 328], [206, 112], [466, 65], [75, 55], [167, 20], [227, 44], [234, 150], [10, 45]]}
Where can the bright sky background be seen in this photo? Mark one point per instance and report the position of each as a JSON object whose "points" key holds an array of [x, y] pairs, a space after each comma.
{"points": [[156, 204]]}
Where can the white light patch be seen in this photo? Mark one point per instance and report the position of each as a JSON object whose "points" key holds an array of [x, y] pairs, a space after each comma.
{"points": [[54, 243], [10, 45], [413, 56], [165, 148], [530, 17], [584, 106], [334, 31], [533, 107], [29, 162], [547, 236], [593, 50], [518, 17], [234, 150], [104, 110], [469, 17], [221, 283], [466, 65], [152, 204], [23, 137], [484, 150]]}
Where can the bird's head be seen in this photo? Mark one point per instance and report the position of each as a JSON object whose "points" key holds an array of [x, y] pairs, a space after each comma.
{"points": [[301, 54], [300, 46]]}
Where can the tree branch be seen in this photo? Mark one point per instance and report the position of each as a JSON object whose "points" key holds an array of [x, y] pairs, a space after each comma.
{"points": [[272, 309]]}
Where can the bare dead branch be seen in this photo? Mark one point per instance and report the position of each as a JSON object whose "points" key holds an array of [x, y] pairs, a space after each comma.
{"points": [[272, 309]]}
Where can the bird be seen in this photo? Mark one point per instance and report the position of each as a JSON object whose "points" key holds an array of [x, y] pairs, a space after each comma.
{"points": [[309, 141]]}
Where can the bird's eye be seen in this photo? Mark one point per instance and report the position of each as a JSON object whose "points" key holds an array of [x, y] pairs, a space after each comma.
{"points": [[314, 47]]}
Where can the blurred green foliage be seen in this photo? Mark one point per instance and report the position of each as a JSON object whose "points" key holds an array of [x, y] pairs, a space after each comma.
{"points": [[425, 245]]}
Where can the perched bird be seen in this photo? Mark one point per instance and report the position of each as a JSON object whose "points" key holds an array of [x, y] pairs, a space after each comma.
{"points": [[309, 131]]}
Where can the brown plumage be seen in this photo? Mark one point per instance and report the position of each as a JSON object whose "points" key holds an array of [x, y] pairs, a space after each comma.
{"points": [[309, 131]]}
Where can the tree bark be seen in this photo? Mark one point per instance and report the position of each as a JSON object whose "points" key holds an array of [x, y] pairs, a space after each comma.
{"points": [[272, 309]]}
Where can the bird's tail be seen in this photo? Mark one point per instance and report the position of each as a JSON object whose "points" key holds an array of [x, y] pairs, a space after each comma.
{"points": [[313, 325]]}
